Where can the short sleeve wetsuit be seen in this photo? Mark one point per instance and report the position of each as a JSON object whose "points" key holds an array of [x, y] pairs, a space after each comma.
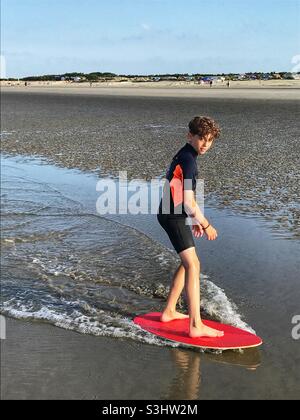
{"points": [[182, 175]]}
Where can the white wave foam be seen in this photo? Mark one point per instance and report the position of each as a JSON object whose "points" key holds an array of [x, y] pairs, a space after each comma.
{"points": [[110, 326], [216, 304], [214, 301]]}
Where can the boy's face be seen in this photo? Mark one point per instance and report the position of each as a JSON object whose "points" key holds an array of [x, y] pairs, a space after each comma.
{"points": [[201, 144]]}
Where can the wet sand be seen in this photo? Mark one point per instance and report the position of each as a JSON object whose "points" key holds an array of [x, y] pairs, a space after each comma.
{"points": [[42, 362], [286, 91], [258, 269], [252, 167], [259, 274]]}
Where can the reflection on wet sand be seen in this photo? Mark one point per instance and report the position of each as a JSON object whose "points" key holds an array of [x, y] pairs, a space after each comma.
{"points": [[186, 385], [249, 358]]}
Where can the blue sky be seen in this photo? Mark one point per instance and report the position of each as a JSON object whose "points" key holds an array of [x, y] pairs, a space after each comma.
{"points": [[148, 36]]}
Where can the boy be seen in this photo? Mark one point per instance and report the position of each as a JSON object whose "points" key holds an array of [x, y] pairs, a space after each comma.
{"points": [[178, 202]]}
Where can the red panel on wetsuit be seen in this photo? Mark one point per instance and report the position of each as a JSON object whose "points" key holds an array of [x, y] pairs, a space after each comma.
{"points": [[176, 186]]}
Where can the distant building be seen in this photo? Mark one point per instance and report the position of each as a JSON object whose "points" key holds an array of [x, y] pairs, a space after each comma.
{"points": [[291, 76], [266, 76], [169, 78], [77, 79], [214, 79], [140, 79], [251, 76], [205, 79], [276, 76]]}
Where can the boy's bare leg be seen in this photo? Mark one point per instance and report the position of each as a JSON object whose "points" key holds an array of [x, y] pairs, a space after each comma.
{"points": [[191, 264], [170, 312]]}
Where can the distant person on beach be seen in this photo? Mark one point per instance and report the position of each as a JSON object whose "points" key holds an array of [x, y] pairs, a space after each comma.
{"points": [[228, 84], [211, 83], [177, 203]]}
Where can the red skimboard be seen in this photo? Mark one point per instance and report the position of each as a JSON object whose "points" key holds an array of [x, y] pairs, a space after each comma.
{"points": [[177, 330]]}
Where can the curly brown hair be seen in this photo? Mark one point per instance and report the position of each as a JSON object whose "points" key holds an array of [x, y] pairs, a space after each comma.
{"points": [[202, 126]]}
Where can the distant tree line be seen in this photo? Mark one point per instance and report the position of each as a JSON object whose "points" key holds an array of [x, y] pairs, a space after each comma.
{"points": [[68, 76], [96, 76]]}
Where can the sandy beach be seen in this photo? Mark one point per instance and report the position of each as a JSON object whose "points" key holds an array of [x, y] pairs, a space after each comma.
{"points": [[67, 269], [102, 105], [42, 362], [62, 276], [270, 89], [73, 130]]}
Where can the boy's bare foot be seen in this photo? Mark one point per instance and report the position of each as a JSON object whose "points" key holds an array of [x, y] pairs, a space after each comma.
{"points": [[203, 331], [168, 316]]}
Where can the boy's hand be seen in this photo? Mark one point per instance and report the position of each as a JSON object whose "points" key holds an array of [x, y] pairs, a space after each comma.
{"points": [[211, 233], [198, 231]]}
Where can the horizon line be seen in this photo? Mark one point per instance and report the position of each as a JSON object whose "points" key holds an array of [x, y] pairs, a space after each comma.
{"points": [[146, 75]]}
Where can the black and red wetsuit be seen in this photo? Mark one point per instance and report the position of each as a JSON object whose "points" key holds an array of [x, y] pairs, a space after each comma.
{"points": [[182, 175]]}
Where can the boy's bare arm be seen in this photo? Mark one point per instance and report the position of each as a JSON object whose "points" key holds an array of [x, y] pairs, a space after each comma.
{"points": [[192, 209]]}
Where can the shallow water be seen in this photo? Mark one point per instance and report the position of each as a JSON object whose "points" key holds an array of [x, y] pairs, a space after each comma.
{"points": [[67, 265], [64, 264]]}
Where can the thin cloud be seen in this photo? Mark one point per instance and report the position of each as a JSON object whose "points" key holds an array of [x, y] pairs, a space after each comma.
{"points": [[145, 26]]}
